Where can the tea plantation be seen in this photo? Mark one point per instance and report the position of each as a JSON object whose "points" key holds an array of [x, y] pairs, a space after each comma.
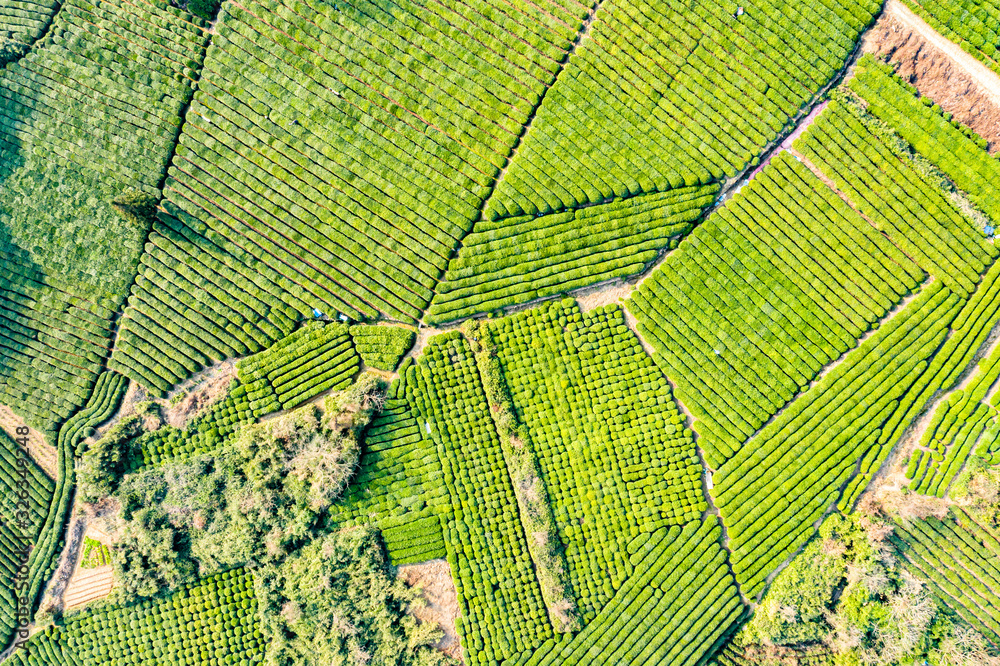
{"points": [[634, 332]]}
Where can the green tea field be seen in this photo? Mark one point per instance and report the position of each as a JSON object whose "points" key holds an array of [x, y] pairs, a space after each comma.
{"points": [[499, 333]]}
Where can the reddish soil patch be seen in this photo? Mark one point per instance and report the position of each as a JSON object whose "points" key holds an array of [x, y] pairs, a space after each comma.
{"points": [[936, 75], [201, 391], [43, 453], [433, 578]]}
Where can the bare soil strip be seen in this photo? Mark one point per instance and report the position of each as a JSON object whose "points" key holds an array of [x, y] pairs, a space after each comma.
{"points": [[87, 585], [982, 75]]}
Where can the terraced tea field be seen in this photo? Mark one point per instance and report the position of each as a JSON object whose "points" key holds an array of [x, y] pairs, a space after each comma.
{"points": [[641, 332]]}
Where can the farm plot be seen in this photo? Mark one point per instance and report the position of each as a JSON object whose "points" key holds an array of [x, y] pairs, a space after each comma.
{"points": [[659, 95], [959, 561], [17, 472], [314, 359], [960, 425], [733, 298], [87, 585], [382, 347], [957, 151], [215, 616], [516, 260], [399, 486], [613, 452], [799, 465], [899, 201], [91, 111], [503, 615], [109, 389], [332, 157]]}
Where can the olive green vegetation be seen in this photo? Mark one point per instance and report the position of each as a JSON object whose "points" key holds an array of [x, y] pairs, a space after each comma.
{"points": [[107, 460], [137, 207], [257, 499], [978, 487], [337, 601], [794, 609]]}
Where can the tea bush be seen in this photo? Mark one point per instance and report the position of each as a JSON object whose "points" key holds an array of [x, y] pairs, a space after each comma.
{"points": [[958, 559], [799, 465], [25, 501], [660, 97], [892, 194]]}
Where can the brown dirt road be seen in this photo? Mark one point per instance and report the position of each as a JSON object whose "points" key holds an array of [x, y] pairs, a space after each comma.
{"points": [[939, 69]]}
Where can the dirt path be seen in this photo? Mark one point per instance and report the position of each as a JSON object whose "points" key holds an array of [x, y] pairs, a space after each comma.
{"points": [[612, 294], [982, 75], [69, 559]]}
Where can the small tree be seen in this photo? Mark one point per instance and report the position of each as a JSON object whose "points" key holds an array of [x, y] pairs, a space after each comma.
{"points": [[136, 206]]}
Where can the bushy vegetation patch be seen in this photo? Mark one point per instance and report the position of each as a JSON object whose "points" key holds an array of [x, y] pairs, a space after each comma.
{"points": [[254, 501], [337, 602], [848, 599]]}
